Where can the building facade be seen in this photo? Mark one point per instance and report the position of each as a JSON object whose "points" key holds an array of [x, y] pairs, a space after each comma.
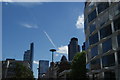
{"points": [[28, 55], [73, 48], [102, 35], [43, 68], [9, 67]]}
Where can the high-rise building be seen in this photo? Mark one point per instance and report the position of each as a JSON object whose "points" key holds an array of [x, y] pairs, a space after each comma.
{"points": [[28, 55], [102, 35], [73, 48], [43, 68], [31, 54], [83, 46]]}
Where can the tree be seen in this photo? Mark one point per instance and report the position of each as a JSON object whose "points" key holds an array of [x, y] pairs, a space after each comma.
{"points": [[23, 72], [78, 66]]}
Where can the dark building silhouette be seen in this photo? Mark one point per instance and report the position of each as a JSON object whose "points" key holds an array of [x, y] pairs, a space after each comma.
{"points": [[73, 48], [83, 46], [28, 55], [63, 58]]}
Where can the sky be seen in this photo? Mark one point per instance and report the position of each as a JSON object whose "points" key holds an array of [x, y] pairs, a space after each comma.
{"points": [[47, 24]]}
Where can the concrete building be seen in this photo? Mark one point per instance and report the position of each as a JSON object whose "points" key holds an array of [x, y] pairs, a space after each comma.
{"points": [[102, 35], [43, 68], [28, 55], [73, 48], [9, 65]]}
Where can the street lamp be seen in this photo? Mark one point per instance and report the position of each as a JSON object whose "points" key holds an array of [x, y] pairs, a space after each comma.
{"points": [[52, 50]]}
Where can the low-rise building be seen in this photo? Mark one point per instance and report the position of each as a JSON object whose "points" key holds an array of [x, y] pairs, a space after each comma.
{"points": [[9, 65]]}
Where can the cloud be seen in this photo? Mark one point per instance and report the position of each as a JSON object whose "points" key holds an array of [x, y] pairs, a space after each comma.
{"points": [[26, 3], [29, 25], [63, 49], [80, 22], [56, 55], [36, 62]]}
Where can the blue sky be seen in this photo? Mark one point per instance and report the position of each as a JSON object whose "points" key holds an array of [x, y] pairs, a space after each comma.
{"points": [[48, 25]]}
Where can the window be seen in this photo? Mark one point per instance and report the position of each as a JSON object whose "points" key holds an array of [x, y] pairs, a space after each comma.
{"points": [[108, 60], [102, 6], [103, 19], [118, 56], [93, 39], [88, 66], [107, 45], [86, 45], [95, 64], [109, 75], [91, 6], [92, 27], [105, 31], [117, 9], [118, 39], [94, 51], [92, 16], [117, 24]]}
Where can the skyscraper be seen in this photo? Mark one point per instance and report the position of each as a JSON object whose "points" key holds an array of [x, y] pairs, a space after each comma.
{"points": [[102, 32], [28, 55], [31, 54], [43, 68], [73, 48]]}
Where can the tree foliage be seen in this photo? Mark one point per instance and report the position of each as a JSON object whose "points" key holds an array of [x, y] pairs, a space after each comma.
{"points": [[79, 66], [23, 72]]}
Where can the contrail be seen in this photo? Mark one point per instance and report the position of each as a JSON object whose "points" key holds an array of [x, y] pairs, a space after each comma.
{"points": [[50, 39]]}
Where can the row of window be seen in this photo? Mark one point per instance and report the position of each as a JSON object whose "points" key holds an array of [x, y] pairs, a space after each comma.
{"points": [[109, 14], [106, 46], [107, 61], [104, 32], [100, 7]]}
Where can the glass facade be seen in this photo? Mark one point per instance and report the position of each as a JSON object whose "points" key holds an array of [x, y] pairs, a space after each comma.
{"points": [[93, 39], [118, 54], [103, 19], [88, 66], [107, 45], [86, 45], [105, 31], [92, 15], [118, 40], [103, 39], [91, 6], [117, 9], [102, 6], [117, 24], [94, 51], [109, 75], [95, 64], [92, 27], [108, 60]]}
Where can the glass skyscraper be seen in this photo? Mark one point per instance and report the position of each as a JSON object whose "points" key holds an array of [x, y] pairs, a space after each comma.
{"points": [[28, 55], [102, 35], [73, 48]]}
